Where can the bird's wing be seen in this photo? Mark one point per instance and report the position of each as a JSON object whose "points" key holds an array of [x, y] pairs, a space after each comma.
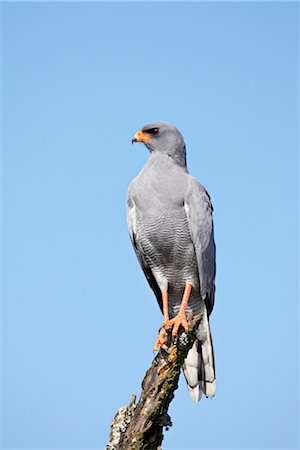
{"points": [[199, 211], [132, 227]]}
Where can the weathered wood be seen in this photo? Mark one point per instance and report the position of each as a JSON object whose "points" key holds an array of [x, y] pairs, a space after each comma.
{"points": [[140, 426]]}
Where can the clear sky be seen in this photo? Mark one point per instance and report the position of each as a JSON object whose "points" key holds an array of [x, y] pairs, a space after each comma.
{"points": [[79, 320]]}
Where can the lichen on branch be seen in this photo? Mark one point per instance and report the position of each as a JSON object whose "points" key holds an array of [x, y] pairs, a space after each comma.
{"points": [[140, 426]]}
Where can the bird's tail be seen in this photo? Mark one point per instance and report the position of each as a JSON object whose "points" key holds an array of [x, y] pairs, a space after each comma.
{"points": [[199, 365]]}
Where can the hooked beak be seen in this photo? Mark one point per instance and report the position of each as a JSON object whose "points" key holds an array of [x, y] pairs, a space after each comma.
{"points": [[141, 136]]}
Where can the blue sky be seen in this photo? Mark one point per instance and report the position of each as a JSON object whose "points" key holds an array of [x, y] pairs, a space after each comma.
{"points": [[79, 319]]}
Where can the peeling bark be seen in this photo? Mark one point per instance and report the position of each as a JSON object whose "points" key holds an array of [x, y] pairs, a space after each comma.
{"points": [[140, 426]]}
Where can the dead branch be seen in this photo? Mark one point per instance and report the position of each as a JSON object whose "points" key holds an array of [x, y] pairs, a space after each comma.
{"points": [[140, 426]]}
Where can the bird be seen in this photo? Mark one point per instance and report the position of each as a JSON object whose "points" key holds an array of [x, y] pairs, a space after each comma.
{"points": [[170, 222]]}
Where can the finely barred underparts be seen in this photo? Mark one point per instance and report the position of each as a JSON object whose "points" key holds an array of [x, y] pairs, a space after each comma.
{"points": [[169, 252]]}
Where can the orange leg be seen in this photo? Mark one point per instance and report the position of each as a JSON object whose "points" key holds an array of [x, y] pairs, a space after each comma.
{"points": [[165, 306], [180, 319], [161, 337], [176, 322]]}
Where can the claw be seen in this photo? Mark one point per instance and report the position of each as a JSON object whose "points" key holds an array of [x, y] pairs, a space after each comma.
{"points": [[160, 341], [165, 348]]}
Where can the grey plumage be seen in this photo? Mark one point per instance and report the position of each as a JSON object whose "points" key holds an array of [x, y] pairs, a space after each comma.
{"points": [[169, 215]]}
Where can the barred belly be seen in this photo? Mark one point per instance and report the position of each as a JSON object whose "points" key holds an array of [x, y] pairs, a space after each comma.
{"points": [[167, 247]]}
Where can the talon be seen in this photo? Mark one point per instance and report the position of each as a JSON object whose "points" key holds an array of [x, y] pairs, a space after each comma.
{"points": [[165, 348], [160, 341], [161, 328], [155, 346]]}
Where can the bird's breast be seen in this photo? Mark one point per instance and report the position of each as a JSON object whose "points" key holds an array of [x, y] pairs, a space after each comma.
{"points": [[161, 185], [166, 243]]}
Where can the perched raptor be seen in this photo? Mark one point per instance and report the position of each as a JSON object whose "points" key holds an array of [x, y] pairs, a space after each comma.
{"points": [[169, 215]]}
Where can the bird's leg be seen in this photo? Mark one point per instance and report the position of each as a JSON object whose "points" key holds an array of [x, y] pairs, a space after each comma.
{"points": [[177, 321], [162, 333], [164, 295], [180, 319]]}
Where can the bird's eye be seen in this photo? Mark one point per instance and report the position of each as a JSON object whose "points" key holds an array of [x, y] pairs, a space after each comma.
{"points": [[153, 131]]}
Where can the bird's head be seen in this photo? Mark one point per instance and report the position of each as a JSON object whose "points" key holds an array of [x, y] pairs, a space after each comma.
{"points": [[162, 137]]}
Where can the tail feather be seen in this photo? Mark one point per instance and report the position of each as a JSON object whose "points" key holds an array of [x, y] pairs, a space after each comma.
{"points": [[199, 365], [191, 366]]}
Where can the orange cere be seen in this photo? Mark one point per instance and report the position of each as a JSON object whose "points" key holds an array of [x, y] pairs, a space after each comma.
{"points": [[141, 136]]}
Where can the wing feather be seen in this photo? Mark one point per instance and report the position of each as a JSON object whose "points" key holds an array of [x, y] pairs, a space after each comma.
{"points": [[132, 227], [199, 212]]}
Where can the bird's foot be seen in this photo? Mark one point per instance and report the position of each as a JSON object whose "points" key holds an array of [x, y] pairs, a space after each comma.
{"points": [[165, 331], [161, 340], [176, 323]]}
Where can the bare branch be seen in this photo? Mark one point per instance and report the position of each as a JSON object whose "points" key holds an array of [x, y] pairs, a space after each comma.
{"points": [[140, 426]]}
